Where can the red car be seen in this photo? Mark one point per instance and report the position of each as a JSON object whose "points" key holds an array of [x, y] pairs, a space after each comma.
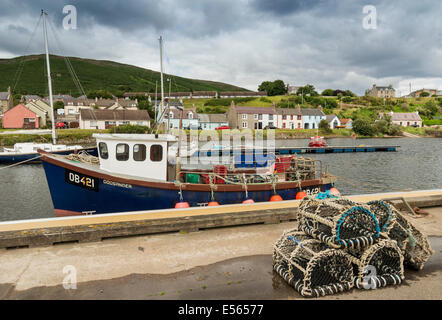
{"points": [[60, 125], [222, 128]]}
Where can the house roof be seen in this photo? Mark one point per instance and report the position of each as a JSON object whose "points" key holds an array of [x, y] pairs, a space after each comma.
{"points": [[254, 110], [243, 93], [330, 117], [312, 112], [212, 117], [410, 116], [288, 111], [121, 115], [176, 113], [345, 121]]}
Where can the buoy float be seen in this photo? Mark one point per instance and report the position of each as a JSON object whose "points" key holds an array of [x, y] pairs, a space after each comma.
{"points": [[301, 195], [334, 191], [213, 203], [275, 197], [181, 205], [248, 201]]}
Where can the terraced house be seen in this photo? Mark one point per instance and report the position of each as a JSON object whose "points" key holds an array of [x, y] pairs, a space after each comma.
{"points": [[245, 117], [312, 117], [289, 118]]}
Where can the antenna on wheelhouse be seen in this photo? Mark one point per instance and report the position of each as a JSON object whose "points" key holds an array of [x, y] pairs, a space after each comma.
{"points": [[51, 102]]}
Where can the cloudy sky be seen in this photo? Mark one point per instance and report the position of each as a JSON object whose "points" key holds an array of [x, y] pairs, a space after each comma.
{"points": [[327, 43]]}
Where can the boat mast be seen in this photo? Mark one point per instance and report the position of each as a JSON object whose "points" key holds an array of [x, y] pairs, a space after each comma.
{"points": [[51, 102], [162, 83]]}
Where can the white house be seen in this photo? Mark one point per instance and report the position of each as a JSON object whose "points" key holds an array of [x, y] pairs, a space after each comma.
{"points": [[172, 118], [411, 119], [212, 121], [312, 117], [333, 121], [103, 119]]}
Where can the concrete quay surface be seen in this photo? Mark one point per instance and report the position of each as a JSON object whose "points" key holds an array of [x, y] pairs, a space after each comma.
{"points": [[52, 231], [222, 263]]}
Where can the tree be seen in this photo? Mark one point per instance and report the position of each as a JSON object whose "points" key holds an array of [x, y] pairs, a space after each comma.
{"points": [[328, 92], [424, 94], [274, 88], [279, 88], [431, 108], [363, 127], [307, 90], [324, 126], [99, 94], [58, 105]]}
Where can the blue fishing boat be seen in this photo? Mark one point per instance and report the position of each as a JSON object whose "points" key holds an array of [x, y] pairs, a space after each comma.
{"points": [[133, 173]]}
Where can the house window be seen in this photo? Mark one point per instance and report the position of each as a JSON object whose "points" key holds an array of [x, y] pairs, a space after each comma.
{"points": [[139, 152], [299, 117], [283, 125], [102, 147], [171, 115], [299, 125], [244, 124], [244, 116], [259, 116], [93, 123], [156, 153], [284, 117], [291, 117], [122, 152], [255, 116], [270, 116], [190, 115]]}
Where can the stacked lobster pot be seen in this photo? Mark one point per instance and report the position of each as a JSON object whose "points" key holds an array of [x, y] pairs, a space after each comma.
{"points": [[413, 243], [340, 244], [310, 266]]}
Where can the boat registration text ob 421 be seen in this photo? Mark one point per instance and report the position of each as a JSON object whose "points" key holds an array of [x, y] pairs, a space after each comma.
{"points": [[81, 180]]}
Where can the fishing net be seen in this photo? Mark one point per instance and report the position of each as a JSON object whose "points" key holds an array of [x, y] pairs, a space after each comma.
{"points": [[378, 265], [413, 243], [310, 267], [340, 223]]}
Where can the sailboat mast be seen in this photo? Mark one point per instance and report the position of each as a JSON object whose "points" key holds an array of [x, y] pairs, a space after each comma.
{"points": [[162, 83], [51, 102]]}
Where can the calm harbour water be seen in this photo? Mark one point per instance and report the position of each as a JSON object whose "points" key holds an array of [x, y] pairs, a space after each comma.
{"points": [[417, 165]]}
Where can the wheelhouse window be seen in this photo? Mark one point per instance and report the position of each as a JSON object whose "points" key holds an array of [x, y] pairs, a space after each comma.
{"points": [[139, 152], [156, 152], [102, 147], [122, 152]]}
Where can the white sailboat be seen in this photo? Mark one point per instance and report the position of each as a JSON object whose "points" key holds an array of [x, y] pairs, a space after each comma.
{"points": [[28, 151]]}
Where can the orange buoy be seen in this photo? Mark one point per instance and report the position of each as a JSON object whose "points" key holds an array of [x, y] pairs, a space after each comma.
{"points": [[181, 205], [334, 191], [275, 197], [213, 203], [301, 195], [248, 201]]}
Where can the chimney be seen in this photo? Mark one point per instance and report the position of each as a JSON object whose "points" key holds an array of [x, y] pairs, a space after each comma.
{"points": [[232, 104], [96, 99], [136, 100]]}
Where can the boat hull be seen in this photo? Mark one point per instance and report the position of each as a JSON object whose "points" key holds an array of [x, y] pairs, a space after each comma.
{"points": [[112, 194], [13, 158]]}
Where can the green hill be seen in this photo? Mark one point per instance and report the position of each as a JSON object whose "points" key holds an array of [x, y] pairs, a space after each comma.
{"points": [[94, 75]]}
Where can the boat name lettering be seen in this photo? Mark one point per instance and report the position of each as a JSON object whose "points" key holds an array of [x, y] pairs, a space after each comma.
{"points": [[117, 184], [81, 180]]}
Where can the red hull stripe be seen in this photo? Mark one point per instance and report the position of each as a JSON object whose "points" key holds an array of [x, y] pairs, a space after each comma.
{"points": [[66, 213]]}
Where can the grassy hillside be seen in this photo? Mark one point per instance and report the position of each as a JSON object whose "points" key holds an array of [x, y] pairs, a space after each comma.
{"points": [[93, 75]]}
